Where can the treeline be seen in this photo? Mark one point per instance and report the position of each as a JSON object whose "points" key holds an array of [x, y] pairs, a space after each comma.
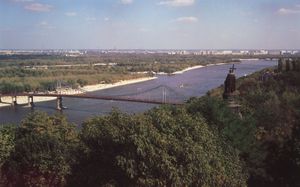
{"points": [[25, 80], [119, 58], [30, 84]]}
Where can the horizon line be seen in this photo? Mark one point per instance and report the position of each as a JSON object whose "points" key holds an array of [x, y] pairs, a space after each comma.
{"points": [[123, 49]]}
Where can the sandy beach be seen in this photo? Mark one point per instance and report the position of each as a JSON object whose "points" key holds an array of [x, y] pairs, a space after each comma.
{"points": [[97, 87], [218, 64], [23, 100], [187, 69], [195, 67]]}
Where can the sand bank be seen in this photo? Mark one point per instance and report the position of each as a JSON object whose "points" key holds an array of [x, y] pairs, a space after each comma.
{"points": [[218, 64], [97, 87], [195, 67], [187, 69], [23, 100]]}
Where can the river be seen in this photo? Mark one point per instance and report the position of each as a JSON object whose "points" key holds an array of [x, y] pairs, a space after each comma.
{"points": [[179, 87]]}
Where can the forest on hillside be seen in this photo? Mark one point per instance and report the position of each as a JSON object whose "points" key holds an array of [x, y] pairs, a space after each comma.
{"points": [[201, 143]]}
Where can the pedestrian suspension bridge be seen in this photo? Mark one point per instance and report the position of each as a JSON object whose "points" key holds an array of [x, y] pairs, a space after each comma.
{"points": [[161, 94]]}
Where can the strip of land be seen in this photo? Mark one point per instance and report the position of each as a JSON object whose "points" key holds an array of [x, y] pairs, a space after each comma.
{"points": [[195, 67], [188, 69]]}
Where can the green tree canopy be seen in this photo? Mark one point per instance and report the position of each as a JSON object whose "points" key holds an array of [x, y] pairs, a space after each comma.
{"points": [[42, 152], [164, 147]]}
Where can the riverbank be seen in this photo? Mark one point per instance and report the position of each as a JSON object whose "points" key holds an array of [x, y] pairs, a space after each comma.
{"points": [[97, 87], [195, 67], [187, 69]]}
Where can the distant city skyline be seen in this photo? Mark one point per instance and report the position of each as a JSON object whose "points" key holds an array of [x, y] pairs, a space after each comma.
{"points": [[149, 24]]}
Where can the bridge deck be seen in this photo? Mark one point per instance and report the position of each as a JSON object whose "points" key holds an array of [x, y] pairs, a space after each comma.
{"points": [[82, 96]]}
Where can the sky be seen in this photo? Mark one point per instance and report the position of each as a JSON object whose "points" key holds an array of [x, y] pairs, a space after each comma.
{"points": [[149, 24]]}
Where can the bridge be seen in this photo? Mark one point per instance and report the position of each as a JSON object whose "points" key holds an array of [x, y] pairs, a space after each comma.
{"points": [[128, 97]]}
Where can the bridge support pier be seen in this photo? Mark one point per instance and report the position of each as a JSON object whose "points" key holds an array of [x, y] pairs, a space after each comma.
{"points": [[14, 101], [59, 104], [30, 101]]}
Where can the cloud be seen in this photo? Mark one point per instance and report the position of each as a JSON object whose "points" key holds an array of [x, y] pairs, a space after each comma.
{"points": [[22, 1], [106, 19], [38, 7], [45, 25], [126, 2], [190, 19], [285, 11], [177, 3], [71, 14]]}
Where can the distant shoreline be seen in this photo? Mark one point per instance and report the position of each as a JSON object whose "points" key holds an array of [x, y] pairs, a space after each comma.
{"points": [[195, 67], [97, 87], [187, 69]]}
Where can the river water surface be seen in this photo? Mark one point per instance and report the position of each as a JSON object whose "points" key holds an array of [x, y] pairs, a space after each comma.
{"points": [[180, 87]]}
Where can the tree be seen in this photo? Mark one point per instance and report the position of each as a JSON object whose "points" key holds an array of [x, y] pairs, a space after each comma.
{"points": [[7, 137], [42, 152], [164, 147], [7, 144], [240, 133]]}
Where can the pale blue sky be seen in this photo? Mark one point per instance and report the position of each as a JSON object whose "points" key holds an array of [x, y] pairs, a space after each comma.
{"points": [[150, 24]]}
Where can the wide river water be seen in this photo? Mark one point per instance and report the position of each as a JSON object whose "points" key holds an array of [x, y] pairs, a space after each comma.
{"points": [[180, 87]]}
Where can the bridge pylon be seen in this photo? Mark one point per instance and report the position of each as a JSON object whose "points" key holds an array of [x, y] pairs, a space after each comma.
{"points": [[164, 95], [30, 101], [14, 101], [59, 104]]}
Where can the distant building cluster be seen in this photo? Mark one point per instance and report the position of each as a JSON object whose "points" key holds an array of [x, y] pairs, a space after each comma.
{"points": [[69, 53], [237, 52], [76, 53]]}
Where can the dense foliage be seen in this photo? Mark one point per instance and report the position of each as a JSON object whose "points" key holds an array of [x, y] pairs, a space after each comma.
{"points": [[163, 147], [20, 79], [275, 105], [39, 152], [272, 107]]}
